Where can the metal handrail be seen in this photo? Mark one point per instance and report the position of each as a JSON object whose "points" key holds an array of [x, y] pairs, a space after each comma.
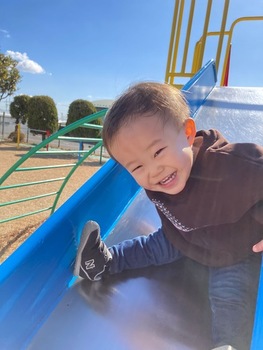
{"points": [[199, 49], [59, 135], [230, 34], [171, 71]]}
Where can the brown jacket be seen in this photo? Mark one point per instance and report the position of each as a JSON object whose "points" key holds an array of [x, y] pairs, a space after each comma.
{"points": [[218, 216]]}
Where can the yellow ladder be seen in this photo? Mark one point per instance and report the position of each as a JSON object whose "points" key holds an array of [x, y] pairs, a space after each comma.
{"points": [[186, 11]]}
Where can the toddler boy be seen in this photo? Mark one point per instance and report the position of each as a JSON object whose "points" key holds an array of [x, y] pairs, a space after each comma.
{"points": [[208, 194]]}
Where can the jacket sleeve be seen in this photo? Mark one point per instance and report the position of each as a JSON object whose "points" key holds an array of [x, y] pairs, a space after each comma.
{"points": [[253, 175], [257, 212]]}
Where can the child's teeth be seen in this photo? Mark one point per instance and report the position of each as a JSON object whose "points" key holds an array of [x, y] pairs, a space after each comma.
{"points": [[167, 179]]}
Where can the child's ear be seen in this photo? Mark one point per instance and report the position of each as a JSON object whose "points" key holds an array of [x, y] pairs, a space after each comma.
{"points": [[190, 130]]}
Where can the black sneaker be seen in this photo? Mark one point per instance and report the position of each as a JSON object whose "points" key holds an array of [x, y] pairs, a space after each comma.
{"points": [[93, 256]]}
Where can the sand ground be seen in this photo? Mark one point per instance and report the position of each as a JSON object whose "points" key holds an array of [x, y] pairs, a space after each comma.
{"points": [[15, 232]]}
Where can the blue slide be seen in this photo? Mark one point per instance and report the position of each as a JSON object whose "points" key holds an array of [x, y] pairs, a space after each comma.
{"points": [[44, 307]]}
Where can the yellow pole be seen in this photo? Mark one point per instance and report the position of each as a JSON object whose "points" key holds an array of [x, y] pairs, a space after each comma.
{"points": [[205, 30], [177, 38], [222, 32], [241, 19], [196, 57], [18, 135], [188, 33], [171, 45]]}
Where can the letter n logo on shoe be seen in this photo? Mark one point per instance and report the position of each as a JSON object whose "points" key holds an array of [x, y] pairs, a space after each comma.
{"points": [[89, 264]]}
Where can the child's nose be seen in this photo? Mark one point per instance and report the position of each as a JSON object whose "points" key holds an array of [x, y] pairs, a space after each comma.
{"points": [[156, 171]]}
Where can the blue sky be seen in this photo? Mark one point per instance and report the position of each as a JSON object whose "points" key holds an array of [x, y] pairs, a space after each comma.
{"points": [[70, 49]]}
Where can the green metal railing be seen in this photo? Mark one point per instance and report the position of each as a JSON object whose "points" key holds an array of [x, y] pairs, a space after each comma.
{"points": [[81, 156]]}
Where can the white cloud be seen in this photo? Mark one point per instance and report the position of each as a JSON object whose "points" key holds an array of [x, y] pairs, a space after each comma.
{"points": [[5, 32], [24, 63]]}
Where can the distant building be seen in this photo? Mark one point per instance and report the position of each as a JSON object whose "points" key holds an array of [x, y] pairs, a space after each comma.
{"points": [[6, 118], [102, 104]]}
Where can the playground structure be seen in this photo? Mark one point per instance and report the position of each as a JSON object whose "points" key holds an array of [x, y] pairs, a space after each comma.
{"points": [[58, 312], [79, 156], [182, 38]]}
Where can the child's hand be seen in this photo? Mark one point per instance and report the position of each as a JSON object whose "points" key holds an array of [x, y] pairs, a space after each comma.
{"points": [[258, 247]]}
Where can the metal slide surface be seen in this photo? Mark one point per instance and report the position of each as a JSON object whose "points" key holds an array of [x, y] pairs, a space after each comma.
{"points": [[236, 112], [154, 308]]}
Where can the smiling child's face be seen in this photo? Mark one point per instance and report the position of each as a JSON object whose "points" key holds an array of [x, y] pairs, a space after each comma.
{"points": [[157, 155]]}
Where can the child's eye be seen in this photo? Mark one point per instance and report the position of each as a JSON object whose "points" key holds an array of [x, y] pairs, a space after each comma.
{"points": [[138, 167], [158, 152]]}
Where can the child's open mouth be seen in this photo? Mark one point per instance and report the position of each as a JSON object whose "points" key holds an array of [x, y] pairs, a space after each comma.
{"points": [[168, 179]]}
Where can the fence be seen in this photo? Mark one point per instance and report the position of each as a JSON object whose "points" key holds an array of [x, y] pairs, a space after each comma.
{"points": [[7, 125]]}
